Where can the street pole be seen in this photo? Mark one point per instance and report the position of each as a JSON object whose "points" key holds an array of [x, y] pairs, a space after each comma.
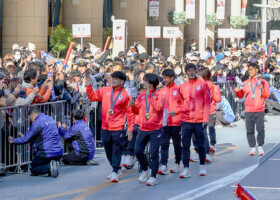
{"points": [[264, 22], [170, 47], [153, 45], [202, 25]]}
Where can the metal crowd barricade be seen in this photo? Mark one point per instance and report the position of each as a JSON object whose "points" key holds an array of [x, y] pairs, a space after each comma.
{"points": [[86, 105], [236, 104], [15, 120]]}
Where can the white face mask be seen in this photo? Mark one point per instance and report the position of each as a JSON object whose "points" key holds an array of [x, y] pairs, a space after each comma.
{"points": [[178, 71], [17, 57], [33, 55], [72, 56]]}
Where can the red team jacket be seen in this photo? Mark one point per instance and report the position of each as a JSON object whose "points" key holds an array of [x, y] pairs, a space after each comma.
{"points": [[215, 96], [121, 109], [196, 101], [172, 102], [155, 111], [257, 104]]}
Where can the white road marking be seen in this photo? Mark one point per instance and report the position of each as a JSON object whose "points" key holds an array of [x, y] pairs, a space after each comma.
{"points": [[210, 187]]}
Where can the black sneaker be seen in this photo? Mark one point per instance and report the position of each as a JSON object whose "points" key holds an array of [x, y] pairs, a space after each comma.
{"points": [[54, 168]]}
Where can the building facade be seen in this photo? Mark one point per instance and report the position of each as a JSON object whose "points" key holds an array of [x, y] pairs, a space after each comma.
{"points": [[28, 21]]}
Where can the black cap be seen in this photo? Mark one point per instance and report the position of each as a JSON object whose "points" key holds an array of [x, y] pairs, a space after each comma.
{"points": [[2, 75], [81, 62]]}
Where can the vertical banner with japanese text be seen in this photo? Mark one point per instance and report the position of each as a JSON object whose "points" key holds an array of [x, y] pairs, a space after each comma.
{"points": [[190, 9], [221, 9], [154, 8]]}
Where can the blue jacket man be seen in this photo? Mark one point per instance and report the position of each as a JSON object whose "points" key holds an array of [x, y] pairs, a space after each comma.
{"points": [[44, 133], [82, 146]]}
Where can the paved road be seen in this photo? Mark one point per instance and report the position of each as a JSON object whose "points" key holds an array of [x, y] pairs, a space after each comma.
{"points": [[230, 164]]}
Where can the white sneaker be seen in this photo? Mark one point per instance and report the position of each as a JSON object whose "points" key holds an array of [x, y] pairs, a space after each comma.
{"points": [[208, 159], [185, 173], [119, 173], [144, 175], [253, 151], [195, 157], [152, 181], [122, 160], [212, 149], [260, 151], [110, 175], [163, 170], [202, 170], [175, 168], [114, 177], [129, 161]]}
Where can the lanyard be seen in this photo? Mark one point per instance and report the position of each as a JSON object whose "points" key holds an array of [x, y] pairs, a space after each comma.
{"points": [[146, 102], [253, 89], [113, 103]]}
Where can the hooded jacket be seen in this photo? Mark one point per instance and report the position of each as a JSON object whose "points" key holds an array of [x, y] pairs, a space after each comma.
{"points": [[196, 101], [172, 102], [81, 137], [258, 103], [122, 110], [44, 132], [156, 101], [215, 96]]}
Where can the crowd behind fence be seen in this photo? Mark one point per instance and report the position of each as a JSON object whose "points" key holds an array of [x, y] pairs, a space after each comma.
{"points": [[14, 120]]}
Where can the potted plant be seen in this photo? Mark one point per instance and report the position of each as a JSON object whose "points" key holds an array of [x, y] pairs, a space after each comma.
{"points": [[60, 40], [177, 18], [238, 21], [211, 20]]}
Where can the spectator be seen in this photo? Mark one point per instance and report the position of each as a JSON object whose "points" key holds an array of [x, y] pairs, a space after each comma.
{"points": [[224, 112], [30, 81]]}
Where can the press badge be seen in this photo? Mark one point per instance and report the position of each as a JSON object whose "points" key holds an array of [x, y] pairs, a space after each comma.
{"points": [[174, 93], [198, 87]]}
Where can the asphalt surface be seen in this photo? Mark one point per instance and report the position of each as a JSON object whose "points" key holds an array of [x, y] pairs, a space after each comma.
{"points": [[230, 165]]}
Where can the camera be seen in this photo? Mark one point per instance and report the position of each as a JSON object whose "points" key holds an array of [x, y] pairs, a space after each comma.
{"points": [[6, 81]]}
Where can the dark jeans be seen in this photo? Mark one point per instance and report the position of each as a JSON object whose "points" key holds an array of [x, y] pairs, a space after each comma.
{"points": [[212, 131], [142, 139], [187, 130], [212, 135], [73, 159], [174, 133], [112, 141], [207, 144], [131, 144], [255, 119], [41, 165]]}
